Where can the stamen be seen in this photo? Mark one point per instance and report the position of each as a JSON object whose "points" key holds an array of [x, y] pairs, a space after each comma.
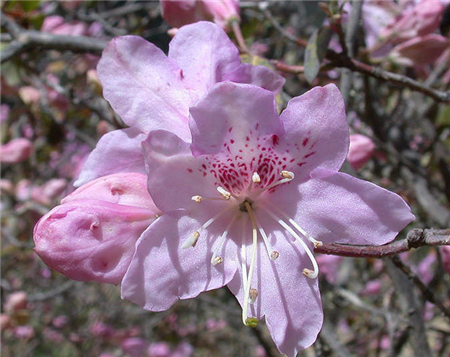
{"points": [[244, 255], [288, 174], [287, 177], [252, 264], [200, 199], [224, 193], [197, 198], [316, 243], [192, 240], [256, 178], [253, 294], [307, 272], [216, 259], [273, 254]]}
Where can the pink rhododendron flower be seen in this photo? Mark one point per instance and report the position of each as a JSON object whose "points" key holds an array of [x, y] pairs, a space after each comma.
{"points": [[245, 202], [100, 329], [159, 349], [24, 332], [91, 236], [329, 266], [179, 13], [15, 151], [134, 346], [57, 26], [60, 321], [360, 151], [5, 321], [4, 112], [184, 349], [44, 194], [445, 251], [421, 20], [372, 287], [16, 301], [150, 90], [420, 50]]}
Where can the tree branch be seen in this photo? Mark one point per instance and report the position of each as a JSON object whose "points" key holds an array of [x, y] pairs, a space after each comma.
{"points": [[415, 238]]}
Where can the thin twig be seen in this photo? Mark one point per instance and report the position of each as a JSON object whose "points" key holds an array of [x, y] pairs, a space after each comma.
{"points": [[427, 293], [415, 238]]}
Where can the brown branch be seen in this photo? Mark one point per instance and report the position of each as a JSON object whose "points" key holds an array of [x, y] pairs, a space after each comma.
{"points": [[415, 238], [339, 60], [25, 40], [427, 293]]}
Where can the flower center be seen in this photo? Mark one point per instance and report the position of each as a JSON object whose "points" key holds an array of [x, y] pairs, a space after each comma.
{"points": [[246, 202]]}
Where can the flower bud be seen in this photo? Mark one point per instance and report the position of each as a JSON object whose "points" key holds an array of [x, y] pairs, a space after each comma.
{"points": [[16, 301], [420, 50], [360, 151], [179, 13], [125, 188], [91, 239], [17, 150]]}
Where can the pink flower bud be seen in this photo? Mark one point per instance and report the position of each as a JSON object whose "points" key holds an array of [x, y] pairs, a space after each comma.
{"points": [[100, 329], [179, 13], [54, 188], [445, 251], [17, 150], [420, 50], [5, 321], [91, 239], [421, 20], [16, 301], [29, 95], [56, 25], [134, 346], [159, 349], [4, 112], [372, 287], [360, 151], [60, 321], [125, 188], [24, 332]]}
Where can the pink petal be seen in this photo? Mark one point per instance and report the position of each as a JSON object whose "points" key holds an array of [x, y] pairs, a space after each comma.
{"points": [[316, 123], [116, 151], [205, 53], [257, 75], [179, 13], [232, 113], [173, 173], [162, 272], [90, 240], [144, 86], [420, 51], [336, 207], [289, 301], [15, 151], [125, 188]]}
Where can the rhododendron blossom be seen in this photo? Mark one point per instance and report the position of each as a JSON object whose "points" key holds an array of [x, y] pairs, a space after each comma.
{"points": [[150, 90], [247, 200]]}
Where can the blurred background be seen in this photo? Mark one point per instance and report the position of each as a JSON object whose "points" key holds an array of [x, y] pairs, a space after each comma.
{"points": [[53, 114]]}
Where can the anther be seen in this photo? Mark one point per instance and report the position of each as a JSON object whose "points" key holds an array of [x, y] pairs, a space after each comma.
{"points": [[191, 241], [309, 273], [287, 175], [197, 198], [224, 193], [256, 178], [253, 294], [251, 322], [274, 255], [216, 260]]}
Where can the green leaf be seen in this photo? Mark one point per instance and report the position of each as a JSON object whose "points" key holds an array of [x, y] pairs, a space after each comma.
{"points": [[315, 52], [30, 5]]}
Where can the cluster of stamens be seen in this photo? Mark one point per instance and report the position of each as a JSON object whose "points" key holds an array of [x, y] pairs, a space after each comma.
{"points": [[247, 205]]}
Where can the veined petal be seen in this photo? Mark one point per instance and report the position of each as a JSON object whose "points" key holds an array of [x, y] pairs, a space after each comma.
{"points": [[116, 151], [233, 113], [336, 207], [205, 53], [257, 75], [124, 188], [90, 240], [174, 175], [144, 86], [289, 300], [162, 272], [316, 127]]}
